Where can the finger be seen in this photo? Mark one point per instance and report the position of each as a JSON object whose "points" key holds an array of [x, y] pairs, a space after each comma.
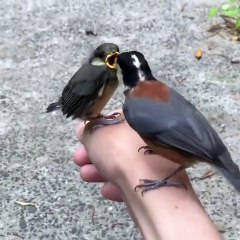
{"points": [[79, 131], [80, 157], [111, 192], [89, 173]]}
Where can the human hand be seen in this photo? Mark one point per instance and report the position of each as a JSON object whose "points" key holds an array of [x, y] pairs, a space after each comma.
{"points": [[110, 154], [89, 172], [113, 152]]}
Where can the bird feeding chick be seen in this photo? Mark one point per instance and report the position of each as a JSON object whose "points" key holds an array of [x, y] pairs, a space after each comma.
{"points": [[169, 124], [91, 87]]}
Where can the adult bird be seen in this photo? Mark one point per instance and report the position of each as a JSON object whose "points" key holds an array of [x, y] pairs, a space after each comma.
{"points": [[169, 124], [91, 87]]}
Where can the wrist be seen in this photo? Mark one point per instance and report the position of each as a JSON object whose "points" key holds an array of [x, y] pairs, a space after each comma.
{"points": [[154, 205], [166, 213]]}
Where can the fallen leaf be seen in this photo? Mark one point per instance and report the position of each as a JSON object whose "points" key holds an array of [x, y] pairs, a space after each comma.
{"points": [[208, 174], [198, 54], [25, 204], [235, 38]]}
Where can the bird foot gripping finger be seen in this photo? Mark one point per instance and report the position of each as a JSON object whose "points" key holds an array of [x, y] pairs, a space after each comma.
{"points": [[112, 116], [100, 116], [147, 150], [148, 185], [101, 122]]}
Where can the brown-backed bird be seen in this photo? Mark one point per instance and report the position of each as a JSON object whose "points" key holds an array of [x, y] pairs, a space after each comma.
{"points": [[169, 124], [91, 87]]}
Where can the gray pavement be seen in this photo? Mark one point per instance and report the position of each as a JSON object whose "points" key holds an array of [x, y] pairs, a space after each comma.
{"points": [[41, 46]]}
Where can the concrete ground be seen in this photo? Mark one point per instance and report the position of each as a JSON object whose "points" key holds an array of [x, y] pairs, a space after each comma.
{"points": [[42, 44]]}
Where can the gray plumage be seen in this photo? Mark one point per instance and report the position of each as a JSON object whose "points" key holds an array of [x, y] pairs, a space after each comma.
{"points": [[82, 90], [180, 125], [86, 86]]}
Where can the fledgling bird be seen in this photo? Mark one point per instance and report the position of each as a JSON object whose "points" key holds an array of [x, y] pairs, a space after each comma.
{"points": [[169, 124], [91, 87]]}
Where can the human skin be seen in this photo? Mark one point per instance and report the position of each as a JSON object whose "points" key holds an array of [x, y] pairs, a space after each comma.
{"points": [[110, 154]]}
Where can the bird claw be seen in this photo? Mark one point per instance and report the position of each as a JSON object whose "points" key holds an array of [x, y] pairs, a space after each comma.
{"points": [[100, 116], [143, 147], [112, 116], [147, 150], [148, 185], [110, 120]]}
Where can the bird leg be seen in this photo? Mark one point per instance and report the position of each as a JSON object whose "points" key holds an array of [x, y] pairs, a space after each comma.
{"points": [[147, 150], [112, 116], [148, 184], [102, 121], [101, 116]]}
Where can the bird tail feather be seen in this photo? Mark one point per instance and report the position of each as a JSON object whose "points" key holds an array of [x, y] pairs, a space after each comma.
{"points": [[53, 107], [229, 169]]}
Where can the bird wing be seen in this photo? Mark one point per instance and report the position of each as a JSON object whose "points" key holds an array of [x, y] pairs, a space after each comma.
{"points": [[176, 123], [82, 90]]}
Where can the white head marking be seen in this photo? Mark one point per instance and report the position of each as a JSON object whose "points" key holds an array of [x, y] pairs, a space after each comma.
{"points": [[136, 61], [137, 64]]}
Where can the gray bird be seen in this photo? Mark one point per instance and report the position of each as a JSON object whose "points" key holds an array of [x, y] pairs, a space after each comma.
{"points": [[91, 87], [169, 124]]}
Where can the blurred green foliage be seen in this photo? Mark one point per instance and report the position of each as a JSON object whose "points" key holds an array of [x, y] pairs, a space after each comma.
{"points": [[229, 9]]}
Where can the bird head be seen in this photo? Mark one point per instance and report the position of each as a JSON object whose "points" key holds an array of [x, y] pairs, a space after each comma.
{"points": [[134, 68], [105, 53]]}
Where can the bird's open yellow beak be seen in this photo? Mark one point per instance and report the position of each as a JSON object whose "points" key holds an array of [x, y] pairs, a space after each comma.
{"points": [[111, 60]]}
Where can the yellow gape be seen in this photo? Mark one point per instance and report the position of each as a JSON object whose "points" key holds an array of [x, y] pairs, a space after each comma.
{"points": [[111, 60]]}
